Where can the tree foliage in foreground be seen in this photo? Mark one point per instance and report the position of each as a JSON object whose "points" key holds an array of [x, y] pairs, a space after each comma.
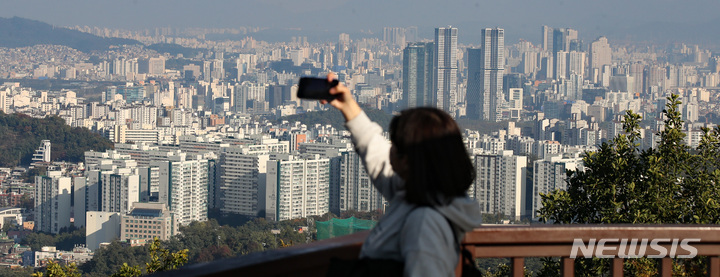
{"points": [[54, 269], [672, 184], [160, 259], [197, 242]]}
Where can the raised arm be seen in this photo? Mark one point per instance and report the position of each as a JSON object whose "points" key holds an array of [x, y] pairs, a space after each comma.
{"points": [[367, 137]]}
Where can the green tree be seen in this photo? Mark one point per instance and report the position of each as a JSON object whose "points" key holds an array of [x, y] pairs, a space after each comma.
{"points": [[54, 269], [109, 259], [21, 134], [162, 259], [16, 272], [671, 184], [128, 271], [37, 240]]}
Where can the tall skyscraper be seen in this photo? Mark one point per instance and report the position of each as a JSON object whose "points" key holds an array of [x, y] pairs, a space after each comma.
{"points": [[561, 64], [418, 74], [562, 38], [446, 68], [474, 95], [485, 72], [576, 63], [600, 54], [394, 36], [546, 37]]}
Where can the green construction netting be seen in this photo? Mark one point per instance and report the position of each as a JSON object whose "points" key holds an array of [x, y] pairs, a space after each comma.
{"points": [[340, 227]]}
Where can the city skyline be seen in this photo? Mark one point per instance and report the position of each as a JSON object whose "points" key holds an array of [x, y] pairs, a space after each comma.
{"points": [[641, 20], [191, 125]]}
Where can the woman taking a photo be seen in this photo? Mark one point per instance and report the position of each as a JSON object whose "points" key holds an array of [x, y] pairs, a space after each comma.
{"points": [[424, 173]]}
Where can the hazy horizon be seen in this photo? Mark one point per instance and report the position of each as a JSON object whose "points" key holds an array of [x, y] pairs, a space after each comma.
{"points": [[659, 20]]}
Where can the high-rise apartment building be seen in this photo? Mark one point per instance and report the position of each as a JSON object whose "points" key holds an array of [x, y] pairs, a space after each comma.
{"points": [[485, 76], [474, 92], [207, 71], [240, 172], [561, 64], [500, 185], [576, 63], [418, 74], [394, 36], [246, 63], [569, 66], [600, 55], [156, 66], [184, 186], [355, 186], [119, 189], [52, 202], [550, 174], [297, 187], [546, 38], [446, 68], [563, 38], [218, 71]]}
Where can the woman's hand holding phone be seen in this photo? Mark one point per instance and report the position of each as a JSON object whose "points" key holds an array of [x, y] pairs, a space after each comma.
{"points": [[344, 100]]}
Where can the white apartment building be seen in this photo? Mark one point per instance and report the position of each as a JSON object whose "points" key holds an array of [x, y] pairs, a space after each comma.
{"points": [[52, 202], [297, 187], [500, 184], [120, 188], [520, 145], [42, 154], [184, 186], [549, 175], [545, 148]]}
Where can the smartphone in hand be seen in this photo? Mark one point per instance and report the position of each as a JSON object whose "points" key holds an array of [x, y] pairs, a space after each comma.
{"points": [[316, 88]]}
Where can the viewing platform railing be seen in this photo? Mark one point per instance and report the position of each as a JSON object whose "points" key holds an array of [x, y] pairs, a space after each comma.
{"points": [[516, 242]]}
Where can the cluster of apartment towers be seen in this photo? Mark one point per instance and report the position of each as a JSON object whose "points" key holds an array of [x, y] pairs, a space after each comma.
{"points": [[136, 192], [430, 71]]}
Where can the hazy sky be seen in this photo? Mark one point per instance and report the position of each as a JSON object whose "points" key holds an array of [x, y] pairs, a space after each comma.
{"points": [[520, 18]]}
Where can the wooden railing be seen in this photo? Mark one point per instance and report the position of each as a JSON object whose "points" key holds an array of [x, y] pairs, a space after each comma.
{"points": [[518, 242], [507, 241]]}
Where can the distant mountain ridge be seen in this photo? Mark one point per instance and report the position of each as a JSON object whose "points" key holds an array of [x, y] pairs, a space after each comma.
{"points": [[21, 32]]}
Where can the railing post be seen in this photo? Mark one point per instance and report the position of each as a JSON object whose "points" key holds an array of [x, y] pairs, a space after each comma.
{"points": [[713, 266], [617, 267], [567, 266], [461, 259], [666, 267], [518, 267]]}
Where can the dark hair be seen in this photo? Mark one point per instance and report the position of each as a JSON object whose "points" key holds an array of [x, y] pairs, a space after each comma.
{"points": [[439, 167]]}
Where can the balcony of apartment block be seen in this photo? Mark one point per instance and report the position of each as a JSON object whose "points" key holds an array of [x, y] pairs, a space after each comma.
{"points": [[516, 242]]}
